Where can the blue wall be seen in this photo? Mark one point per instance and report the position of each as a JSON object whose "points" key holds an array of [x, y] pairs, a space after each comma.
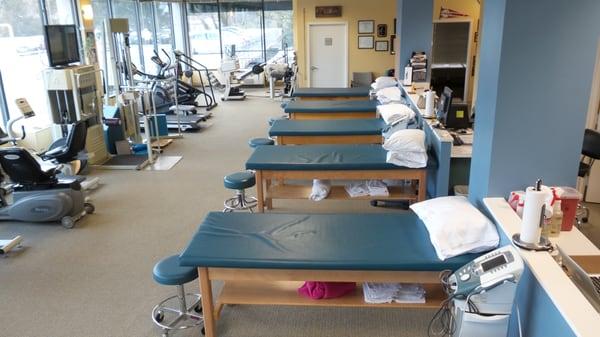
{"points": [[536, 64], [537, 59], [415, 28]]}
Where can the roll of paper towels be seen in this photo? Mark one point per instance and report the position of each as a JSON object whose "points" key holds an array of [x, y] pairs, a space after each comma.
{"points": [[532, 213], [429, 103]]}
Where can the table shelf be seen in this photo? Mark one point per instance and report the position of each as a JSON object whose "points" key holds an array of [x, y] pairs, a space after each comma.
{"points": [[338, 193], [285, 293]]}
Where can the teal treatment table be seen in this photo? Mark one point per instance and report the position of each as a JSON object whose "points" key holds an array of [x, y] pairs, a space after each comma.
{"points": [[263, 258], [332, 94], [329, 162], [339, 131], [331, 109]]}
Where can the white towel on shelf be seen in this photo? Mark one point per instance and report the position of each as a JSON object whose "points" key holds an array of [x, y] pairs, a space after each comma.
{"points": [[377, 188], [320, 189], [378, 293], [392, 113], [357, 189]]}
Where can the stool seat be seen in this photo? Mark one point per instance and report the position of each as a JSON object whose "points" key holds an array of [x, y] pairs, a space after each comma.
{"points": [[168, 272], [239, 180], [273, 119], [254, 142]]}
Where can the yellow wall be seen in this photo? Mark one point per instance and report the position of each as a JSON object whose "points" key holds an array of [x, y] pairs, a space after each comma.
{"points": [[359, 60], [472, 8]]}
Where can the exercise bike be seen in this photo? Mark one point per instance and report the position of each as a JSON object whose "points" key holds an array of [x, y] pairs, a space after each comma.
{"points": [[35, 195]]}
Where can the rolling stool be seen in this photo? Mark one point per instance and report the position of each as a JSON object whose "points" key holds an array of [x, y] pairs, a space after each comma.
{"points": [[168, 272], [240, 181], [255, 142]]}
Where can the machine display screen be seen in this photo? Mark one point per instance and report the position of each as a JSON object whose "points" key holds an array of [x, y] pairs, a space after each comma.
{"points": [[493, 263]]}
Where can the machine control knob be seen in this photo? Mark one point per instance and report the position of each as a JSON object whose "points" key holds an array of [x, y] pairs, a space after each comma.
{"points": [[465, 277]]}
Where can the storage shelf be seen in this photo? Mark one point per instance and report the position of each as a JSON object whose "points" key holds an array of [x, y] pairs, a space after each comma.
{"points": [[338, 193], [286, 293]]}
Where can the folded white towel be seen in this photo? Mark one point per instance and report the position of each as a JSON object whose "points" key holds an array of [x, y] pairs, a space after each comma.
{"points": [[407, 159], [357, 189], [377, 188], [320, 189]]}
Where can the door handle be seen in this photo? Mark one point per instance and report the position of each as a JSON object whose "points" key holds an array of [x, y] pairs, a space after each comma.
{"points": [[314, 67]]}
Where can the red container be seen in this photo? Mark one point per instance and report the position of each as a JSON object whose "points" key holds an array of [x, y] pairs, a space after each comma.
{"points": [[570, 198]]}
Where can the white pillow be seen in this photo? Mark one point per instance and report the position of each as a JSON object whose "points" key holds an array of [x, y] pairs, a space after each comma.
{"points": [[384, 82], [456, 227], [407, 140], [388, 95]]}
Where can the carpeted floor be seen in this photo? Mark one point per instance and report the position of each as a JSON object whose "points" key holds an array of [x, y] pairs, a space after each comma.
{"points": [[96, 279]]}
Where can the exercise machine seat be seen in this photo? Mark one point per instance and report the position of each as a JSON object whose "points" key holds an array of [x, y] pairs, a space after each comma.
{"points": [[340, 127], [239, 180], [67, 149], [330, 106], [255, 142], [168, 272], [331, 92], [322, 157], [316, 242], [23, 169]]}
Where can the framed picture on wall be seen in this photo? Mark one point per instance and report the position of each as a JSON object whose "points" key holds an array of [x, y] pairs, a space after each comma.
{"points": [[366, 42], [381, 46], [382, 30], [366, 26]]}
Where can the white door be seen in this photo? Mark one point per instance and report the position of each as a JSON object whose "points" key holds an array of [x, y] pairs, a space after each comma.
{"points": [[327, 59]]}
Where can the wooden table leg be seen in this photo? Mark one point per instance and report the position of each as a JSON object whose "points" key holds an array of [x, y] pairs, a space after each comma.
{"points": [[207, 303], [422, 186], [259, 192], [268, 201]]}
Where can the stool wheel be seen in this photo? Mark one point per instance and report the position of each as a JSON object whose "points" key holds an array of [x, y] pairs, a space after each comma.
{"points": [[198, 308], [159, 317]]}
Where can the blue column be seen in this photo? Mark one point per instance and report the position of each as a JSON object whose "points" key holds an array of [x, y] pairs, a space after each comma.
{"points": [[415, 28], [536, 64]]}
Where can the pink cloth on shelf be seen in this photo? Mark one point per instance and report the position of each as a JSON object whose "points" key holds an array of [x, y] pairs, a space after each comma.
{"points": [[323, 290]]}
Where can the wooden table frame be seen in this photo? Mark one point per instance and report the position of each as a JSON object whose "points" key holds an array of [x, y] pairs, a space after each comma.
{"points": [[265, 287], [266, 191], [332, 115], [329, 139], [332, 98]]}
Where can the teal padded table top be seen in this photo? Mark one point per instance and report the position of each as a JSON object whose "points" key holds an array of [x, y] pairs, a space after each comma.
{"points": [[340, 127], [330, 106], [316, 241], [321, 157], [331, 92]]}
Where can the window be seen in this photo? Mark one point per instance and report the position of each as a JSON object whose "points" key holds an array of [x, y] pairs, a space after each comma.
{"points": [[259, 29], [278, 27], [128, 9], [205, 41], [23, 56], [59, 12], [241, 25], [147, 42]]}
